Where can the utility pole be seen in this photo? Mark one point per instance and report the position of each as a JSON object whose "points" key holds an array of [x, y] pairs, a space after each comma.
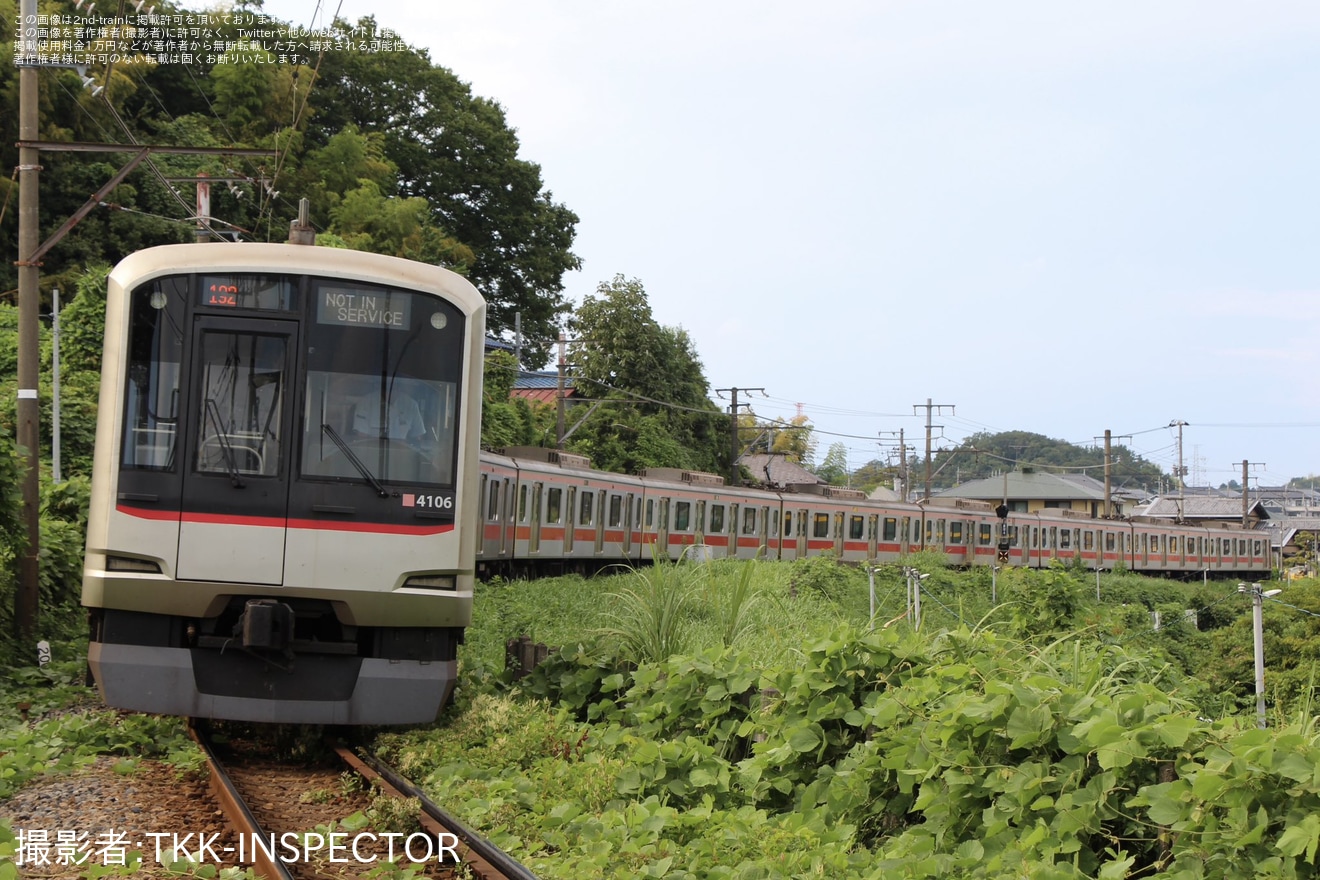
{"points": [[55, 473], [902, 462], [1258, 595], [1108, 484], [1182, 471], [734, 447], [1245, 506], [28, 412], [559, 394], [27, 597], [930, 409], [1109, 463]]}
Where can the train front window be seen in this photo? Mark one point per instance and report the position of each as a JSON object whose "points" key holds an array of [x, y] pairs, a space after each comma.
{"points": [[383, 372], [242, 386]]}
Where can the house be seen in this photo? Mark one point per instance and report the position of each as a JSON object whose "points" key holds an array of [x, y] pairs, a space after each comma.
{"points": [[775, 471], [542, 386], [1029, 490], [1204, 508]]}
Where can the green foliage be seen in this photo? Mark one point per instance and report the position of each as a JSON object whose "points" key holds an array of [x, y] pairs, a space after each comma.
{"points": [[823, 575], [1043, 603], [654, 382], [877, 754]]}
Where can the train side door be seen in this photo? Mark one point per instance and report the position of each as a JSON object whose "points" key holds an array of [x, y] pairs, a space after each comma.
{"points": [[662, 527], [534, 535], [802, 533], [238, 448], [629, 501], [600, 520]]}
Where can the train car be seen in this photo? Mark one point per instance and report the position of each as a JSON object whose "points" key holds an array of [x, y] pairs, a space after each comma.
{"points": [[548, 510], [283, 517]]}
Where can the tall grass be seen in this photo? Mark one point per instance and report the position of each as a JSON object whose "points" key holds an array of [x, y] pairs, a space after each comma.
{"points": [[648, 618]]}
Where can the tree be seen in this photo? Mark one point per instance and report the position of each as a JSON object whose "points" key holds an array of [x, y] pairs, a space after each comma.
{"points": [[653, 384], [458, 152], [794, 440], [834, 469]]}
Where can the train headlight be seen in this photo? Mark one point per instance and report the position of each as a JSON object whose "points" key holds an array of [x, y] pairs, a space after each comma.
{"points": [[432, 582], [123, 563]]}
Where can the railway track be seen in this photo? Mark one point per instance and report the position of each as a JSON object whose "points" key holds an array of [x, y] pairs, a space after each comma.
{"points": [[262, 799]]}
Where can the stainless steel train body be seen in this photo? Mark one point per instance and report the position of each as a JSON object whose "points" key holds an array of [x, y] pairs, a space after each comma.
{"points": [[550, 510], [281, 526]]}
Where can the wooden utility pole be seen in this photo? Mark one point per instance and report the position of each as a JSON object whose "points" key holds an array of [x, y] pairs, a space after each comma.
{"points": [[27, 598], [28, 411], [1245, 504], [559, 394]]}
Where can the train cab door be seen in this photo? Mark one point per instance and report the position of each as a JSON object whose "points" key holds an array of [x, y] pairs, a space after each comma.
{"points": [[238, 442]]}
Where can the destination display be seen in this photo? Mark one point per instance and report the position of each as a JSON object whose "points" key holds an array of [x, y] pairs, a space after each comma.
{"points": [[363, 308], [262, 292]]}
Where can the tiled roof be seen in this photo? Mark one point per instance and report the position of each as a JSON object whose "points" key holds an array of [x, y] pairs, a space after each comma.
{"points": [[1031, 484], [776, 470], [1203, 507]]}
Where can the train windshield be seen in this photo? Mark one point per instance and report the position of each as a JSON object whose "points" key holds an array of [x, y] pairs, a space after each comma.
{"points": [[381, 401]]}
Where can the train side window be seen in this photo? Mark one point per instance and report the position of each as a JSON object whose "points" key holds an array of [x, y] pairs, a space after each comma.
{"points": [[493, 504], [650, 512], [588, 507], [717, 519], [1065, 539], [930, 529], [855, 527], [616, 511], [1013, 536], [554, 502], [682, 515], [522, 503], [1255, 548], [955, 533], [820, 527], [1088, 540], [749, 521], [984, 534], [788, 523], [1242, 546], [891, 528]]}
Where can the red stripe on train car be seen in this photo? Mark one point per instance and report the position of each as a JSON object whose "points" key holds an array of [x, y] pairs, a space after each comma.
{"points": [[281, 522]]}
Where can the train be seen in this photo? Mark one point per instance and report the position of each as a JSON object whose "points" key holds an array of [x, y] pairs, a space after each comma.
{"points": [[543, 509], [286, 448], [290, 506]]}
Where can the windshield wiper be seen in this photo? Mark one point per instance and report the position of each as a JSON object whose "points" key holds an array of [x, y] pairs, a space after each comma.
{"points": [[226, 450], [357, 462]]}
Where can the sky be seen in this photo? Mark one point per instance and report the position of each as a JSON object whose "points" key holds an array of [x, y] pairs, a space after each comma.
{"points": [[1051, 217]]}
